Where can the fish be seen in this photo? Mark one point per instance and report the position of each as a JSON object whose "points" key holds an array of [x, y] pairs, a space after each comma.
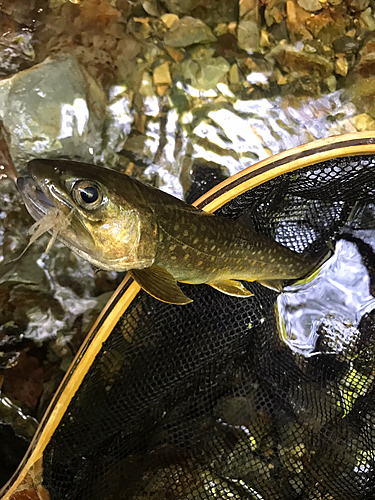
{"points": [[119, 224]]}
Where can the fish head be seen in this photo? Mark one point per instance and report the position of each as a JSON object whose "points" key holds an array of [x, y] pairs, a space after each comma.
{"points": [[107, 226]]}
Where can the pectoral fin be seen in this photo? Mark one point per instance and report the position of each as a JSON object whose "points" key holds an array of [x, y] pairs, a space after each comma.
{"points": [[156, 281], [232, 287]]}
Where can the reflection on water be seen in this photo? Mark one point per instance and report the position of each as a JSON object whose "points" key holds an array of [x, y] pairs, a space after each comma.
{"points": [[332, 304]]}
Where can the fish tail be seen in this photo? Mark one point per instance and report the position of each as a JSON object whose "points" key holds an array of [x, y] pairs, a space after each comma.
{"points": [[319, 259]]}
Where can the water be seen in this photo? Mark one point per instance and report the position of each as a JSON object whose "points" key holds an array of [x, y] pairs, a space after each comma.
{"points": [[330, 306]]}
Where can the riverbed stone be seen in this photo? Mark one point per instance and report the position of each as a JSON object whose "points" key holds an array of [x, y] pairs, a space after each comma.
{"points": [[54, 108]]}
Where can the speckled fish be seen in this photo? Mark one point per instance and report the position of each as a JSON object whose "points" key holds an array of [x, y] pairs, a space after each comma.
{"points": [[120, 224]]}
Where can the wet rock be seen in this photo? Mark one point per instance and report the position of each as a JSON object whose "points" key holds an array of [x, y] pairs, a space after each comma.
{"points": [[202, 71], [151, 7], [182, 6], [279, 31], [7, 168], [248, 31], [301, 62], [234, 76], [366, 63], [346, 45], [162, 75], [296, 21], [274, 12], [26, 13], [212, 12], [54, 108], [25, 380], [367, 20], [310, 5], [364, 122], [248, 35], [16, 49], [92, 31], [358, 5], [188, 31], [38, 315], [341, 66], [11, 414], [328, 25]]}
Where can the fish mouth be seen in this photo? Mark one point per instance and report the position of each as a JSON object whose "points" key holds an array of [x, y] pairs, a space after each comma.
{"points": [[41, 196], [36, 200]]}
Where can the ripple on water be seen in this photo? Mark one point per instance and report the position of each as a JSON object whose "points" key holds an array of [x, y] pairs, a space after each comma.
{"points": [[335, 300]]}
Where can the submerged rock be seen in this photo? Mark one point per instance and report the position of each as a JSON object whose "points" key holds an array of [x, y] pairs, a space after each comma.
{"points": [[54, 108], [248, 31], [188, 31], [302, 62], [310, 5]]}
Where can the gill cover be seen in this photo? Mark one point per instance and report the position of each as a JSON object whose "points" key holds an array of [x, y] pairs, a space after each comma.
{"points": [[111, 226]]}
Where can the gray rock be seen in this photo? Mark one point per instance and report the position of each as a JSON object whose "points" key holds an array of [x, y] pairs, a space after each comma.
{"points": [[203, 75], [248, 35], [188, 31], [54, 108], [358, 5], [181, 6], [16, 51], [310, 5]]}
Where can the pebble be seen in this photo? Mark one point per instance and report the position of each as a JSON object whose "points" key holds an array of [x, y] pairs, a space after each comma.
{"points": [[341, 66], [188, 31], [310, 5]]}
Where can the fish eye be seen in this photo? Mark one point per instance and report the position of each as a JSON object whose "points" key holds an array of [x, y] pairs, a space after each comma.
{"points": [[87, 194]]}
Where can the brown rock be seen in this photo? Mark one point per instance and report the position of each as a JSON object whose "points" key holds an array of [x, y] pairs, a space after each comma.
{"points": [[301, 62], [24, 381], [296, 21], [328, 25], [175, 54], [358, 5], [249, 9], [188, 31], [341, 66], [274, 12], [162, 75], [366, 64]]}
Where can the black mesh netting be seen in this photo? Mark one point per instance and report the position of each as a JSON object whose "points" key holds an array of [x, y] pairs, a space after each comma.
{"points": [[206, 401]]}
